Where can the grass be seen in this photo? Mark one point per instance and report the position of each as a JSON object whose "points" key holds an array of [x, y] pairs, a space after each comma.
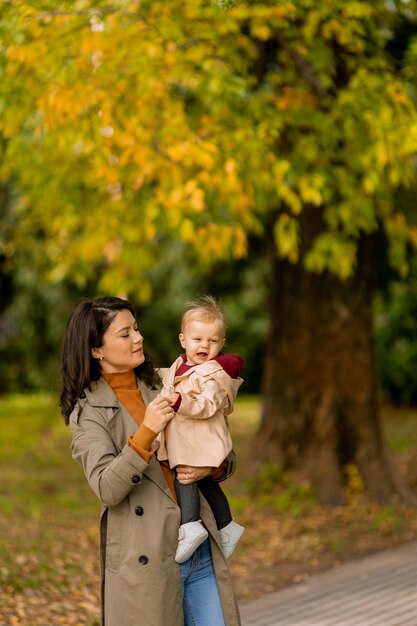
{"points": [[48, 516], [38, 476], [400, 425], [48, 520]]}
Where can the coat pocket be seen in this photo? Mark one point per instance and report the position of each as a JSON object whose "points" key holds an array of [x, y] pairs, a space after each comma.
{"points": [[114, 536]]}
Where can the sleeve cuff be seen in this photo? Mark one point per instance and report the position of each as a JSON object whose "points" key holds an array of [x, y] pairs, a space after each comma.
{"points": [[141, 442], [177, 404]]}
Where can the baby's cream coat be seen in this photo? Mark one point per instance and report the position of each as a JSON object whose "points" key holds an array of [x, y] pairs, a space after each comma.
{"points": [[199, 435]]}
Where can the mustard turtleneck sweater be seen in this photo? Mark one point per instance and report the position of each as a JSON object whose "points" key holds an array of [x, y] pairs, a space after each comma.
{"points": [[125, 387]]}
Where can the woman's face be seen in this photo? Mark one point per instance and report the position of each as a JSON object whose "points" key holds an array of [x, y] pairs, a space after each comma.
{"points": [[122, 348]]}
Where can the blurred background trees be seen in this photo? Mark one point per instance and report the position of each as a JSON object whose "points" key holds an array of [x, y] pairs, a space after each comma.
{"points": [[264, 153]]}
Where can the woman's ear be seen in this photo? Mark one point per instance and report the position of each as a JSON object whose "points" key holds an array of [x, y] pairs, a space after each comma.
{"points": [[96, 353]]}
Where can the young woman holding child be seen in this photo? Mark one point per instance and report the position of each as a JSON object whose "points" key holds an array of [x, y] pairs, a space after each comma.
{"points": [[111, 399]]}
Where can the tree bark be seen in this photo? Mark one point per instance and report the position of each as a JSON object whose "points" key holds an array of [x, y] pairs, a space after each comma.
{"points": [[320, 408]]}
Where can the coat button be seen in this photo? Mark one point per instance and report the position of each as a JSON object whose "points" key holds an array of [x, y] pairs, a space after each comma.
{"points": [[143, 559], [139, 510], [135, 478]]}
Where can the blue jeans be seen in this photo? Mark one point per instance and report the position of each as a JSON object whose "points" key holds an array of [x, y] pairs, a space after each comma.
{"points": [[201, 599]]}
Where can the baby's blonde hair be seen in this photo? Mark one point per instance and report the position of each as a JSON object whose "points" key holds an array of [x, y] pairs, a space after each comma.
{"points": [[204, 309]]}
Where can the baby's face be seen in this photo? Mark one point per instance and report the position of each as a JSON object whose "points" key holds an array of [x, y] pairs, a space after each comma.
{"points": [[202, 341]]}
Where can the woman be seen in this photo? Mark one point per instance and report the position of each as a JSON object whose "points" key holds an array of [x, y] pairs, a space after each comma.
{"points": [[110, 397]]}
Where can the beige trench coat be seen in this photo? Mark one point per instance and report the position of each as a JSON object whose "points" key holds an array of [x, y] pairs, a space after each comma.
{"points": [[199, 434], [139, 520]]}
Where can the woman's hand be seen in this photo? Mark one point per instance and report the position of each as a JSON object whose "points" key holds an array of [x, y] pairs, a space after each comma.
{"points": [[158, 413], [187, 474]]}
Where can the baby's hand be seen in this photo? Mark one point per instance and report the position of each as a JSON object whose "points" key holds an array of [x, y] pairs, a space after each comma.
{"points": [[173, 397]]}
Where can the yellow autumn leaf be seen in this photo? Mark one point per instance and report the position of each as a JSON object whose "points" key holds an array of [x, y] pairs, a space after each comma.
{"points": [[197, 200], [261, 31], [187, 231], [240, 247], [290, 198], [286, 235], [309, 194], [381, 153]]}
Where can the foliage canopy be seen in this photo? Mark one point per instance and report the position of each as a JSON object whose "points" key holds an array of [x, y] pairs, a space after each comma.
{"points": [[131, 126]]}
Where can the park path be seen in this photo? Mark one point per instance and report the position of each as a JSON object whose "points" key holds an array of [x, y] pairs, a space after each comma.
{"points": [[379, 590]]}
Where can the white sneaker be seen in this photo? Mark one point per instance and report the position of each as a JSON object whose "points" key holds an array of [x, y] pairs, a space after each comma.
{"points": [[190, 537], [229, 537]]}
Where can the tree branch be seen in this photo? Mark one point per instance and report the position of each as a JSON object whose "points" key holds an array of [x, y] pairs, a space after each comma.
{"points": [[304, 69]]}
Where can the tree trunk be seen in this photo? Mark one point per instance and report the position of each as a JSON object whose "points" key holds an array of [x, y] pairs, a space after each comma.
{"points": [[320, 407]]}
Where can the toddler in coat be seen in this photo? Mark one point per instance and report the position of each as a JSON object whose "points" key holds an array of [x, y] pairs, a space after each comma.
{"points": [[201, 385]]}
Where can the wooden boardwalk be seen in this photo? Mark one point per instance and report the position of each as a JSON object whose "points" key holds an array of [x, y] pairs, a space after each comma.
{"points": [[379, 590]]}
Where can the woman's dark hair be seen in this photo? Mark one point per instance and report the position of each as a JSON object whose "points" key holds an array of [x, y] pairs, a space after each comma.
{"points": [[85, 330]]}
